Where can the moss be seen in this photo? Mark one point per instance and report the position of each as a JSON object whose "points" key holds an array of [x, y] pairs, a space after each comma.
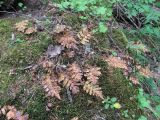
{"points": [[36, 107], [73, 20], [102, 41], [17, 55], [84, 106], [27, 52], [120, 38], [114, 84]]}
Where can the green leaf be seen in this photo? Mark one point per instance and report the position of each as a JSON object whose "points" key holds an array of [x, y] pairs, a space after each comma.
{"points": [[101, 10], [20, 4], [102, 28], [157, 109], [142, 118], [106, 106], [113, 99]]}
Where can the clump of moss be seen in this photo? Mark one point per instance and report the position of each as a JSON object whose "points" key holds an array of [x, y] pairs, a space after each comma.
{"points": [[114, 84], [120, 38], [73, 20], [17, 55]]}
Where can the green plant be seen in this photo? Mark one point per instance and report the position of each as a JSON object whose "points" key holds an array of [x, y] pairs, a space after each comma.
{"points": [[1, 2], [142, 118], [111, 103], [101, 10], [125, 113], [144, 13], [145, 103], [22, 6]]}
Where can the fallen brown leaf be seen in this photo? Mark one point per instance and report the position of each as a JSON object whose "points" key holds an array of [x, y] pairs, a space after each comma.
{"points": [[22, 26]]}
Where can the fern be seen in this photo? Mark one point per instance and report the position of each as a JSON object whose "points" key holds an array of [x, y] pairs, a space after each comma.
{"points": [[92, 89]]}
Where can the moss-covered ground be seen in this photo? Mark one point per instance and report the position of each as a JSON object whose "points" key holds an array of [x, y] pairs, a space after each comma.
{"points": [[17, 87]]}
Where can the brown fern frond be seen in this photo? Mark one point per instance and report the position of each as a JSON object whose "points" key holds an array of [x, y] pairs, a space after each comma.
{"points": [[12, 113], [84, 35], [74, 71], [22, 26], [72, 78], [92, 73], [51, 87], [134, 80], [146, 72], [92, 89], [67, 40], [116, 62]]}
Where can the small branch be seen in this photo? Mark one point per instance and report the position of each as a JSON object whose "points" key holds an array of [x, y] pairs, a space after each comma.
{"points": [[69, 95]]}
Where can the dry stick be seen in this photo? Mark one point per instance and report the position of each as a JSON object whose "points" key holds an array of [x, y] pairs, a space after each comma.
{"points": [[69, 95]]}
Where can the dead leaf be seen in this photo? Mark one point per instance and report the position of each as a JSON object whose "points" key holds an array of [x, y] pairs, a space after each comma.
{"points": [[30, 30], [51, 87], [92, 89], [13, 114], [22, 26], [116, 62], [145, 72], [134, 80], [92, 73], [72, 77], [67, 40], [84, 35]]}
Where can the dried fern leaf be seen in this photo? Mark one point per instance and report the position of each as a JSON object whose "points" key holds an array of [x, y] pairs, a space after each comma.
{"points": [[67, 40], [22, 26], [84, 35], [30, 30], [146, 72], [116, 62], [92, 73], [92, 89], [72, 78], [134, 80], [13, 114], [51, 87], [74, 71]]}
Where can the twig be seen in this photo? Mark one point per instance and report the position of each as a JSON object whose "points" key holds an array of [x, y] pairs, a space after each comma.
{"points": [[69, 95]]}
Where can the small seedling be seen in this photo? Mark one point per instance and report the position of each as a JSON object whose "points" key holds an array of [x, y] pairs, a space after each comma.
{"points": [[22, 6], [125, 113], [111, 103]]}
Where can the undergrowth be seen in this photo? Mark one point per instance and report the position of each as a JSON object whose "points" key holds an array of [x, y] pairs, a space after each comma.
{"points": [[89, 62]]}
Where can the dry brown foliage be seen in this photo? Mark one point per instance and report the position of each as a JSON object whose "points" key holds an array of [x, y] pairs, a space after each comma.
{"points": [[51, 87], [12, 113], [134, 80], [84, 35], [69, 54], [72, 78], [22, 26], [67, 40], [30, 30], [92, 89], [146, 72], [116, 62], [92, 73]]}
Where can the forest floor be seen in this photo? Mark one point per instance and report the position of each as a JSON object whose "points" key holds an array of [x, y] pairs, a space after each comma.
{"points": [[25, 60]]}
